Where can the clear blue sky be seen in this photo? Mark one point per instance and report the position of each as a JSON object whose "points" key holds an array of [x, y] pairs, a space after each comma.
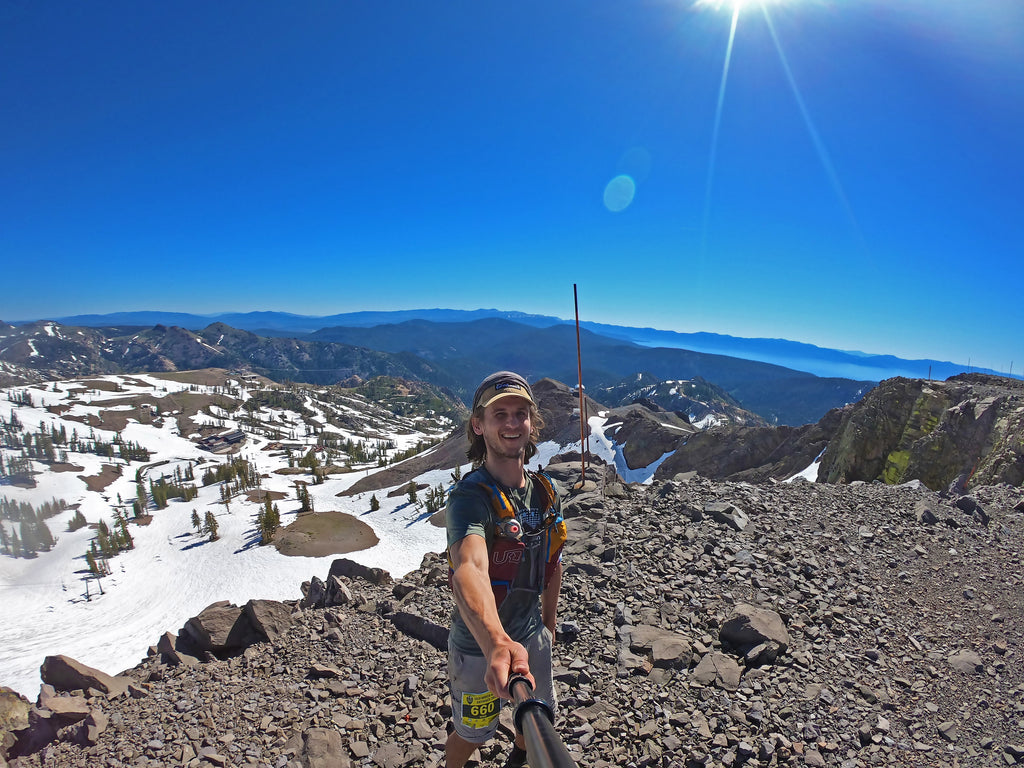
{"points": [[856, 181]]}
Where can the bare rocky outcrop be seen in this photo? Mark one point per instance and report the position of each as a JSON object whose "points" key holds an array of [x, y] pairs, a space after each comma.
{"points": [[836, 628], [966, 431]]}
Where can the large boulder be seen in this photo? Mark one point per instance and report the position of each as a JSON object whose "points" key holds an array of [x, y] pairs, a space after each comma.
{"points": [[220, 627], [66, 674], [343, 567], [269, 619], [666, 649], [14, 709], [749, 627], [224, 628]]}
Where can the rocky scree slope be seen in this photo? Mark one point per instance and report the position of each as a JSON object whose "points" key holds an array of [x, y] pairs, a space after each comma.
{"points": [[883, 626]]}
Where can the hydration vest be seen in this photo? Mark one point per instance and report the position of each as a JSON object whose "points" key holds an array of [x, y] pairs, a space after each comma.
{"points": [[520, 559]]}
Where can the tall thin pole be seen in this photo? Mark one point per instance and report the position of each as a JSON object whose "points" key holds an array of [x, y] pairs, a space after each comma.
{"points": [[579, 366]]}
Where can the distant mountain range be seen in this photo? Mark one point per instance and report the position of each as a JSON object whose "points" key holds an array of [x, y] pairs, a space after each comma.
{"points": [[798, 356], [454, 356]]}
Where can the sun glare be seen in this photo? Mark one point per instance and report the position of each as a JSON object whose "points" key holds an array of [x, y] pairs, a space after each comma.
{"points": [[736, 5]]}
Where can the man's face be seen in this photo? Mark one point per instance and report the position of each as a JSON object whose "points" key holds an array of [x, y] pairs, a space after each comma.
{"points": [[505, 427]]}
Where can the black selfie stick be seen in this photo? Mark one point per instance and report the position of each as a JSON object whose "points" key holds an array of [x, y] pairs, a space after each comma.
{"points": [[535, 720]]}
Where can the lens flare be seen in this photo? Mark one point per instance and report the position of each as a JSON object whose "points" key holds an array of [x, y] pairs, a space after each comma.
{"points": [[618, 194]]}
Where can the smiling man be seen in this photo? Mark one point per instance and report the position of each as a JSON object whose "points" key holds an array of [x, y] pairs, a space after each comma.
{"points": [[505, 537]]}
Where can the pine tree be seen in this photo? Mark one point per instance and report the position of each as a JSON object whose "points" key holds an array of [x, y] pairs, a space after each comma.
{"points": [[210, 526], [267, 521], [305, 502], [29, 545], [374, 503], [43, 536], [196, 522], [126, 537], [412, 492]]}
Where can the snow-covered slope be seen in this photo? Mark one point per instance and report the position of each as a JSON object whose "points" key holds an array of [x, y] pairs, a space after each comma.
{"points": [[48, 606]]}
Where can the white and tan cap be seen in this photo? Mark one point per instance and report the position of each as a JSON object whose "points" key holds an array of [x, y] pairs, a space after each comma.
{"points": [[501, 384]]}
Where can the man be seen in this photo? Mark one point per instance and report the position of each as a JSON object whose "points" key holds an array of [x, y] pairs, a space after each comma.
{"points": [[505, 537]]}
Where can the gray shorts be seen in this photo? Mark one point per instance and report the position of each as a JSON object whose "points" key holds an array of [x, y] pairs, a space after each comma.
{"points": [[475, 709]]}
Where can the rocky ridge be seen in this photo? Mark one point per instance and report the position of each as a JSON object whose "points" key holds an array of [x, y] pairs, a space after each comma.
{"points": [[702, 623]]}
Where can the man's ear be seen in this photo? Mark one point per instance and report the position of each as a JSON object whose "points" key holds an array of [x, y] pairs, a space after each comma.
{"points": [[475, 423]]}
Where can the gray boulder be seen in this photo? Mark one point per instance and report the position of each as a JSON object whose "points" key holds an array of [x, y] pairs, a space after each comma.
{"points": [[718, 669], [750, 626], [727, 514]]}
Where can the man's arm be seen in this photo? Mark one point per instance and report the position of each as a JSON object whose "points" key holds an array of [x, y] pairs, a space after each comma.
{"points": [[471, 586], [549, 600]]}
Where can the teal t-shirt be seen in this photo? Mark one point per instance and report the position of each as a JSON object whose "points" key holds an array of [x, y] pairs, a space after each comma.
{"points": [[469, 513]]}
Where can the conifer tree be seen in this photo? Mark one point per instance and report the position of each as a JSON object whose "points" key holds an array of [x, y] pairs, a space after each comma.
{"points": [[374, 503], [195, 521], [126, 538], [43, 536], [29, 545], [210, 526]]}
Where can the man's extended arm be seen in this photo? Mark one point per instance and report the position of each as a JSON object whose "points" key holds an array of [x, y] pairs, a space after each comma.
{"points": [[471, 586]]}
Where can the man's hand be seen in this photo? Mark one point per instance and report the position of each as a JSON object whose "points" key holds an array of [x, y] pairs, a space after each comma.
{"points": [[505, 659]]}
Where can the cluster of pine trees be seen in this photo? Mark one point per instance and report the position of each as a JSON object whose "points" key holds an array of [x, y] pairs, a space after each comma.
{"points": [[31, 534], [240, 474], [179, 486], [52, 443], [207, 526], [109, 542]]}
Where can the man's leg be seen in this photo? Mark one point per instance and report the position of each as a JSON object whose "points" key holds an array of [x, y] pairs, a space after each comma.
{"points": [[457, 751], [474, 709]]}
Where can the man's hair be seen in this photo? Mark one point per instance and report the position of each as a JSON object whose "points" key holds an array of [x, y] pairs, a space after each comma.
{"points": [[477, 451]]}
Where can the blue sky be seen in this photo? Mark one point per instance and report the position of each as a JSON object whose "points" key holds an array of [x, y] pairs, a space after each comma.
{"points": [[853, 179]]}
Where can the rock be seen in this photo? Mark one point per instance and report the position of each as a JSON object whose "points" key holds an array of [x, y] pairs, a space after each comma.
{"points": [[314, 594], [167, 646], [671, 652], [727, 514], [337, 592], [220, 627], [718, 669], [871, 602], [345, 568], [269, 619], [323, 748], [750, 626], [421, 629], [14, 709], [966, 661], [66, 674], [66, 710], [924, 513]]}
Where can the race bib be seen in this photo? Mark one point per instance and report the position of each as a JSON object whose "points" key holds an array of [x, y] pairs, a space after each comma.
{"points": [[479, 709]]}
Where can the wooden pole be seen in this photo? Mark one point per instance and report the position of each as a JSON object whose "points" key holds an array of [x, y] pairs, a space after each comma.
{"points": [[583, 417]]}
